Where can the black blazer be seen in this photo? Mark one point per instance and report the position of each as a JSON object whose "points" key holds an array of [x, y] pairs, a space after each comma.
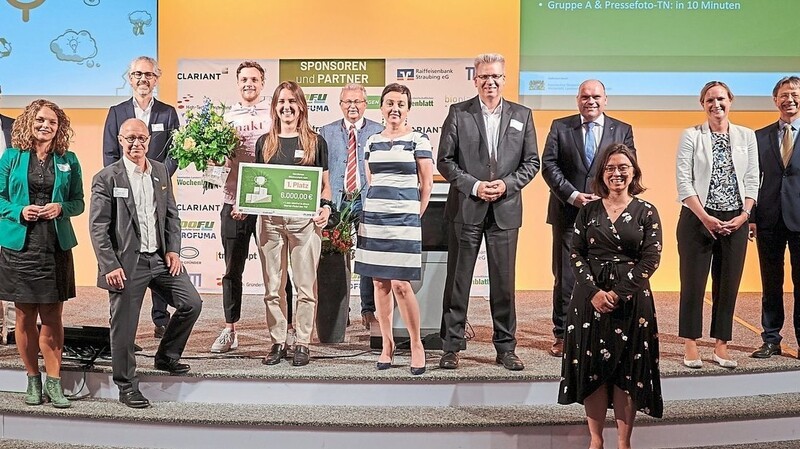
{"points": [[6, 123], [564, 163], [779, 195], [464, 159], [161, 116]]}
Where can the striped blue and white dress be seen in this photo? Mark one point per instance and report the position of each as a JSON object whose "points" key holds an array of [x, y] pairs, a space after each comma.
{"points": [[390, 236]]}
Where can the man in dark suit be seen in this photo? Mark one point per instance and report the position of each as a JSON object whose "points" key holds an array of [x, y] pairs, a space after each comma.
{"points": [[568, 168], [775, 221], [347, 175], [135, 231], [161, 119], [7, 310], [488, 153]]}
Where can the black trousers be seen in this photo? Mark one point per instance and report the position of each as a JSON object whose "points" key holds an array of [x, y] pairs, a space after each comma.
{"points": [[501, 254], [236, 236], [771, 244], [159, 312], [563, 277], [126, 304], [698, 251]]}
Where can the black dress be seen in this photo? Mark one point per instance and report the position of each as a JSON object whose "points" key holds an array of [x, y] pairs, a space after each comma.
{"points": [[618, 348], [41, 273]]}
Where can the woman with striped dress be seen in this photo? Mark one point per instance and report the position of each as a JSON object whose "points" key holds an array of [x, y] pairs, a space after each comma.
{"points": [[400, 174]]}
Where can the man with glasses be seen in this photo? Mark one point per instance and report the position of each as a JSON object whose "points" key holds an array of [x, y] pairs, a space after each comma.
{"points": [[161, 120], [346, 139], [136, 234], [775, 220], [488, 153], [8, 312], [572, 146]]}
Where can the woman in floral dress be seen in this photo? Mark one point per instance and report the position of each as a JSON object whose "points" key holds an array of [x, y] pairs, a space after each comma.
{"points": [[611, 345]]}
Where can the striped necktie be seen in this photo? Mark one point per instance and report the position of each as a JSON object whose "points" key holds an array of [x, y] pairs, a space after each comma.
{"points": [[350, 172]]}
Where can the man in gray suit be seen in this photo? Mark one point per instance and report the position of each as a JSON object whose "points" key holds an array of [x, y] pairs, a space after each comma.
{"points": [[568, 168], [488, 154], [162, 120], [135, 232], [7, 309], [346, 139]]}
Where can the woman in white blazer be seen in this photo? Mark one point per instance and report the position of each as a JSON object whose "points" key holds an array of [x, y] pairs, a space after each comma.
{"points": [[717, 177]]}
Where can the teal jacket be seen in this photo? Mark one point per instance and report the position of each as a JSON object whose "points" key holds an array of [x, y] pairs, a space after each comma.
{"points": [[68, 191]]}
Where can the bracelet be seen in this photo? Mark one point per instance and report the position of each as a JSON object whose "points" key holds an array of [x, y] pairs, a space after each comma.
{"points": [[747, 212], [327, 203]]}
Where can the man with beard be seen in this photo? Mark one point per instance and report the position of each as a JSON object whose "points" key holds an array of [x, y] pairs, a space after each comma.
{"points": [[775, 222], [572, 146], [161, 120]]}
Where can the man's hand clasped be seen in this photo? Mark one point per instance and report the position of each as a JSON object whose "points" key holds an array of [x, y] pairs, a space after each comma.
{"points": [[491, 191]]}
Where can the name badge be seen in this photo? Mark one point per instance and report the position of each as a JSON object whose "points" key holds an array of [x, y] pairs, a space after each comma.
{"points": [[298, 154], [157, 127], [120, 192], [64, 167], [516, 124]]}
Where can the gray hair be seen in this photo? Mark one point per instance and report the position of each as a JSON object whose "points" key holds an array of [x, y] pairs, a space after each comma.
{"points": [[489, 58], [353, 86], [147, 59], [790, 80]]}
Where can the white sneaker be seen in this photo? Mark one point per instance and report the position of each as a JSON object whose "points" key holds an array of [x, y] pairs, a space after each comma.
{"points": [[226, 341]]}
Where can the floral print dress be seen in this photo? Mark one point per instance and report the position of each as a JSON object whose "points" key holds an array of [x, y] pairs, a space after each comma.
{"points": [[621, 347]]}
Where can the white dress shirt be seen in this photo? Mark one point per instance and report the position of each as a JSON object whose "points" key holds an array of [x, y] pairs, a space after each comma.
{"points": [[143, 114], [144, 197]]}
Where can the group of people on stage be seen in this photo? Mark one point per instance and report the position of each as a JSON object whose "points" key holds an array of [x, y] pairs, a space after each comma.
{"points": [[732, 182]]}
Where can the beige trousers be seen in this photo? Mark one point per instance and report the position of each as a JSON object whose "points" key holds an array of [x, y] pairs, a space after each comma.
{"points": [[282, 240]]}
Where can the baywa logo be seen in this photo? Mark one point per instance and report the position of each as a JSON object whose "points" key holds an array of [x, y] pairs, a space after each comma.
{"points": [[317, 102], [189, 252], [406, 74], [194, 229]]}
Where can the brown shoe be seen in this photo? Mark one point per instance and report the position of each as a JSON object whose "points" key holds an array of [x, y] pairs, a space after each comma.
{"points": [[557, 350], [367, 318]]}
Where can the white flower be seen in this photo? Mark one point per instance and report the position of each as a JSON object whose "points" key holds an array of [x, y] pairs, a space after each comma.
{"points": [[189, 143]]}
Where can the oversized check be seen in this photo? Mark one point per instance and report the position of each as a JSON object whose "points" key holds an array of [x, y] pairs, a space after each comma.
{"points": [[284, 190]]}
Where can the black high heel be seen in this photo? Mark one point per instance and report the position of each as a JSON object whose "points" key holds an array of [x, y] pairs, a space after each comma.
{"points": [[417, 371], [386, 365]]}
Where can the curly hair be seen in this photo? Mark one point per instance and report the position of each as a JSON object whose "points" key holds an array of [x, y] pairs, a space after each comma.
{"points": [[22, 132]]}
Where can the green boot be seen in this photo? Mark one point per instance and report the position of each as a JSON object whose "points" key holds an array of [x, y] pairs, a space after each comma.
{"points": [[53, 390], [33, 395]]}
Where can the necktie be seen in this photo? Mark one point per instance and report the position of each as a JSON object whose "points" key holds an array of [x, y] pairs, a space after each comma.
{"points": [[589, 146], [350, 172], [787, 144]]}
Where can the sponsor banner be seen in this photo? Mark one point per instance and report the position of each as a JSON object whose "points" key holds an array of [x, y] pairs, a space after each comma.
{"points": [[334, 72], [435, 84], [284, 190]]}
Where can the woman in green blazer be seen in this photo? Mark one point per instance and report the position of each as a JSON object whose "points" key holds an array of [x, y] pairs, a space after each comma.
{"points": [[40, 189]]}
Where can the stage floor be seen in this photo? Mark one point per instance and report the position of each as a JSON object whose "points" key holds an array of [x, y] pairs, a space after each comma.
{"points": [[353, 359]]}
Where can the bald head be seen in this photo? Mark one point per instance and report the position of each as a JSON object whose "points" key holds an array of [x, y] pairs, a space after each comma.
{"points": [[591, 99], [133, 137]]}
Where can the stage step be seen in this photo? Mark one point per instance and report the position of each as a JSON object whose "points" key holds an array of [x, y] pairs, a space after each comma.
{"points": [[23, 444], [687, 423]]}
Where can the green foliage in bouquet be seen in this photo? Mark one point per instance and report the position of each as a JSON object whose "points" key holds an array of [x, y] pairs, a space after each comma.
{"points": [[341, 237], [205, 138]]}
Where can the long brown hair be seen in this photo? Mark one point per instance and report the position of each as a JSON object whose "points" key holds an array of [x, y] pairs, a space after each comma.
{"points": [[22, 132], [307, 137], [634, 188]]}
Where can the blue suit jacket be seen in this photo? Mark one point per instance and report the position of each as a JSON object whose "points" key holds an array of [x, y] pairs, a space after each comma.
{"points": [[14, 196], [779, 196], [337, 136], [160, 141], [564, 166]]}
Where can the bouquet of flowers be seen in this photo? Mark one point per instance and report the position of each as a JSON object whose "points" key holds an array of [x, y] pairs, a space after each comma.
{"points": [[340, 237], [205, 139]]}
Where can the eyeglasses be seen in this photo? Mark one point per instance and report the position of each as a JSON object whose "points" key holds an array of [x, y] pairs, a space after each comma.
{"points": [[623, 168], [494, 76], [793, 96], [132, 139], [352, 102], [148, 75]]}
